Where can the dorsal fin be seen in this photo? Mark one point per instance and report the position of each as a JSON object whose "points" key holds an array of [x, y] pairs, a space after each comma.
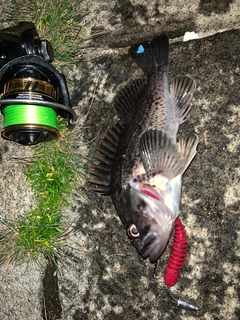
{"points": [[102, 171], [128, 96]]}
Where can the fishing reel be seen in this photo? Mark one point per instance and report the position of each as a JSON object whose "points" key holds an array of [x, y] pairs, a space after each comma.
{"points": [[32, 92]]}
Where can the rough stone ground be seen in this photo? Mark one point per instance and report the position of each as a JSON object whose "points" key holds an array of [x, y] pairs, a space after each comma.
{"points": [[109, 280]]}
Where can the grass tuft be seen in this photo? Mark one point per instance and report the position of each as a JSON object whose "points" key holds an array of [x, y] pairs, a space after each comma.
{"points": [[56, 169], [54, 172], [60, 22]]}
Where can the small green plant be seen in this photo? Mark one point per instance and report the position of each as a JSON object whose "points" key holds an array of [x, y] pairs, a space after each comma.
{"points": [[56, 168], [54, 172], [60, 22]]}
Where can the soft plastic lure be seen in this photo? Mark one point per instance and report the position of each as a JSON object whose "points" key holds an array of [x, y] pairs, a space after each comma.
{"points": [[177, 256]]}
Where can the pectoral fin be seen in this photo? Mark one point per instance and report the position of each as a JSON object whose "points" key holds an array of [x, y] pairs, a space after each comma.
{"points": [[160, 155]]}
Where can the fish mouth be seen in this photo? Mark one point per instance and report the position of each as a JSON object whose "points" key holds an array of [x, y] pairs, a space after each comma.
{"points": [[152, 220], [154, 244], [150, 248]]}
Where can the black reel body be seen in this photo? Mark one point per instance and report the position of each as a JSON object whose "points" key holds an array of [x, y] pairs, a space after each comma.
{"points": [[33, 92]]}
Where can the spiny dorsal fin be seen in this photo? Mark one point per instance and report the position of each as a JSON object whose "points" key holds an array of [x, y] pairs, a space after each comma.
{"points": [[182, 90], [160, 155], [128, 96], [102, 171]]}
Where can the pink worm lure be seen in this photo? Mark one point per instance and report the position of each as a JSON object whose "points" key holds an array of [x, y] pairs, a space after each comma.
{"points": [[177, 256]]}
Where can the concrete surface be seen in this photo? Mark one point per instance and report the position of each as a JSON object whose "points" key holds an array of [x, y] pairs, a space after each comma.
{"points": [[106, 278]]}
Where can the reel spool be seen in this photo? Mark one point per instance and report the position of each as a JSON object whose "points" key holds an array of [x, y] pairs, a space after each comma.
{"points": [[33, 92]]}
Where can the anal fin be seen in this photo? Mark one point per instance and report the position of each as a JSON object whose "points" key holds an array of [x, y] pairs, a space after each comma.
{"points": [[182, 90]]}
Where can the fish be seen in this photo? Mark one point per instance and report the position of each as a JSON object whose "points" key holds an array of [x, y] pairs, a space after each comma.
{"points": [[141, 159]]}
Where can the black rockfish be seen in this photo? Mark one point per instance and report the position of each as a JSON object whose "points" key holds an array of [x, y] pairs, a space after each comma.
{"points": [[142, 163]]}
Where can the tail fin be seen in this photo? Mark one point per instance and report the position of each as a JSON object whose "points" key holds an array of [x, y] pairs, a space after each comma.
{"points": [[150, 54]]}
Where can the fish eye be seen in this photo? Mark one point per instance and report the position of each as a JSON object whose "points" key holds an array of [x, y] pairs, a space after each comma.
{"points": [[133, 231]]}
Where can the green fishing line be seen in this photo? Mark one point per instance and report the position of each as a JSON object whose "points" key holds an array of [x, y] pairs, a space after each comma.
{"points": [[29, 114]]}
